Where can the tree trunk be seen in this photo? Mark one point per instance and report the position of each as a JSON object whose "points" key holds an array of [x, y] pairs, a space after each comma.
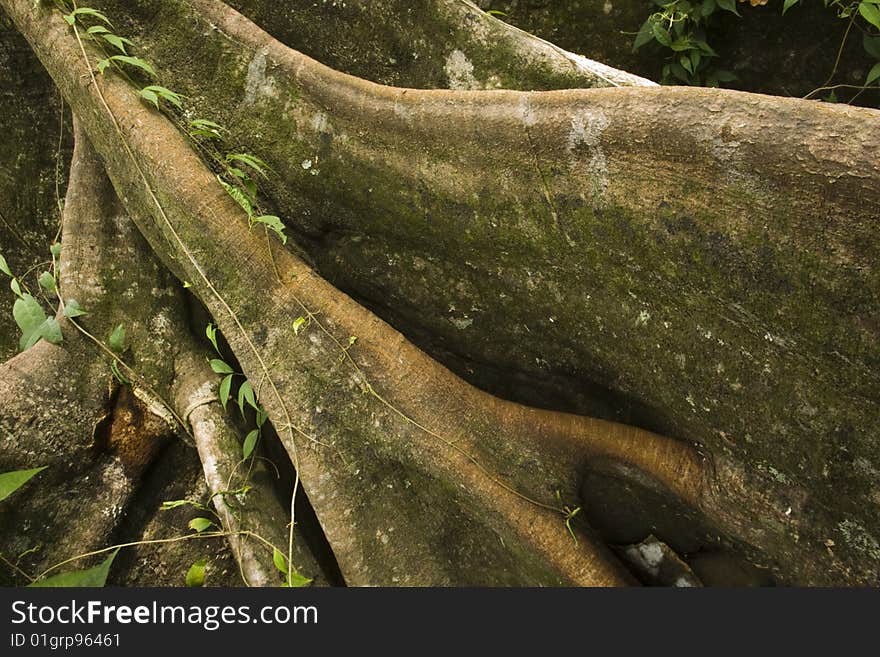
{"points": [[695, 261]]}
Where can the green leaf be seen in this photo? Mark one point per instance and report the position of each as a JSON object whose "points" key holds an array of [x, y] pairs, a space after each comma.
{"points": [[220, 367], [173, 504], [262, 416], [274, 224], [788, 4], [15, 287], [117, 41], [728, 5], [250, 442], [870, 13], [97, 29], [195, 576], [708, 8], [203, 124], [246, 394], [495, 12], [55, 249], [73, 309], [200, 524], [47, 281], [92, 577], [873, 74], [116, 341], [644, 35], [298, 324], [12, 481], [279, 560], [103, 64], [165, 94], [661, 35], [33, 322], [295, 580], [88, 11], [205, 128], [5, 267], [51, 331], [254, 162], [238, 196], [150, 96], [225, 385], [871, 44], [211, 333], [133, 61]]}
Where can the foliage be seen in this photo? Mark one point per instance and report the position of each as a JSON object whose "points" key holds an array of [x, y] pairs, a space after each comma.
{"points": [[12, 481], [91, 577], [684, 28]]}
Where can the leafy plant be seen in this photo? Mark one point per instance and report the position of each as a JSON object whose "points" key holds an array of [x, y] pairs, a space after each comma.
{"points": [[681, 27], [195, 576], [12, 481], [91, 577]]}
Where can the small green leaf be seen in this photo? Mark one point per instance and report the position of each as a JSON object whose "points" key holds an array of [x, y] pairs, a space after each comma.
{"points": [[870, 13], [5, 267], [295, 580], [351, 340], [195, 576], [871, 44], [15, 287], [250, 442], [495, 12], [33, 322], [117, 41], [225, 385], [88, 11], [298, 324], [274, 223], [173, 504], [279, 560], [148, 95], [644, 35], [55, 249], [103, 64], [51, 331], [238, 196], [134, 61], [93, 577], [200, 524], [220, 367], [728, 5], [788, 4], [47, 281], [211, 334], [164, 94], [873, 74], [12, 481], [116, 341], [662, 35], [250, 160], [262, 416], [97, 29], [73, 309], [246, 394]]}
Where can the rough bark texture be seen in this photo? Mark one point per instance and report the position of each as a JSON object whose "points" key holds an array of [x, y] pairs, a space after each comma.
{"points": [[723, 280]]}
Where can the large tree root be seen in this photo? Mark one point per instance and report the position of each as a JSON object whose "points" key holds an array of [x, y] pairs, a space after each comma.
{"points": [[63, 408]]}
